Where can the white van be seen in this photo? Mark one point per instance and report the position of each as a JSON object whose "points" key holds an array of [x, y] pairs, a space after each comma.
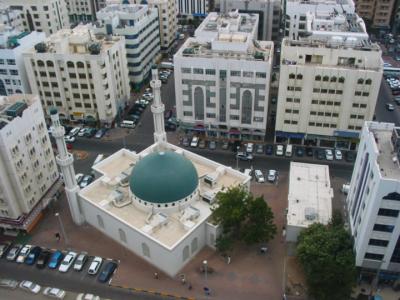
{"points": [[289, 150], [127, 124]]}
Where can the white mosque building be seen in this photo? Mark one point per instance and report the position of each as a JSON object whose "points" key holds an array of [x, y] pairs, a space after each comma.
{"points": [[157, 202]]}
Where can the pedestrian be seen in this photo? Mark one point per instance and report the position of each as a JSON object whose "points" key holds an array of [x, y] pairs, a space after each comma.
{"points": [[155, 275], [58, 237], [228, 260], [183, 280]]}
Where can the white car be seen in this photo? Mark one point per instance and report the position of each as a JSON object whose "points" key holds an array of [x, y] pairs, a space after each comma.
{"points": [[81, 132], [67, 262], [23, 253], [74, 131], [249, 148], [259, 176], [272, 175], [195, 141], [95, 265], [87, 297], [69, 139], [328, 154], [30, 286], [338, 155], [78, 177], [54, 293], [279, 150]]}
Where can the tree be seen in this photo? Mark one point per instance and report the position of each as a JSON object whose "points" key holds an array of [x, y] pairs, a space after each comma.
{"points": [[326, 254], [243, 218]]}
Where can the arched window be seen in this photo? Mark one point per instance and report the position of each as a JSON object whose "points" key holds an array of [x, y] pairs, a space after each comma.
{"points": [[246, 107], [326, 78], [40, 63], [194, 245], [360, 81], [333, 79], [368, 81], [341, 79], [292, 76], [318, 78], [122, 235], [185, 253], [392, 196], [70, 64], [50, 63], [100, 221], [198, 103], [145, 250], [18, 91], [80, 64], [299, 76]]}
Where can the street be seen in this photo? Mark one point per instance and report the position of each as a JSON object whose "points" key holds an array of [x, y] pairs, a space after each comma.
{"points": [[381, 113]]}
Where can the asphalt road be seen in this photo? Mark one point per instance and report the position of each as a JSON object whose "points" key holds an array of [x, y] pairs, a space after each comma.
{"points": [[381, 113], [68, 281]]}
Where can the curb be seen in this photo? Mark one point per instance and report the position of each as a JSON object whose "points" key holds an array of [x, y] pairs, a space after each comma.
{"points": [[139, 290]]}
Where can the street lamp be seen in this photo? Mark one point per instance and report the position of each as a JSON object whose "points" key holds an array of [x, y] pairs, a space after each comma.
{"points": [[205, 270], [62, 227]]}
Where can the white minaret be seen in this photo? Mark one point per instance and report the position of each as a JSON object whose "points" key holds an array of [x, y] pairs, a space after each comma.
{"points": [[65, 160], [157, 108]]}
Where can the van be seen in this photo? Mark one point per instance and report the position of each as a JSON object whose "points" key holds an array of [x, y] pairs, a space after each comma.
{"points": [[289, 150], [127, 124], [98, 159]]}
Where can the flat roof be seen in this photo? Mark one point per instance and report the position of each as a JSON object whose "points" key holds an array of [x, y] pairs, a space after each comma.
{"points": [[310, 195], [174, 230]]}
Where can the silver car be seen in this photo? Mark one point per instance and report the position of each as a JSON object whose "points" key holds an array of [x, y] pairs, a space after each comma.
{"points": [[8, 283], [30, 286], [54, 293], [95, 265], [80, 261]]}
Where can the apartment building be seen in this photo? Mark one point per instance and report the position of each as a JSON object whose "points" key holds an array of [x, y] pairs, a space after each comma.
{"points": [[46, 16], [296, 11], [28, 170], [139, 25], [222, 78], [10, 18], [329, 82], [167, 18], [83, 10], [189, 8], [373, 201], [377, 13], [83, 75], [13, 78], [269, 12]]}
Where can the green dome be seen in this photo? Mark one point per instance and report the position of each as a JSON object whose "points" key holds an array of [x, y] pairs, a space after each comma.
{"points": [[163, 177]]}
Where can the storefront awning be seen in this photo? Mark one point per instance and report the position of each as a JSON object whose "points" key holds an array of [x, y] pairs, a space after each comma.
{"points": [[294, 135], [346, 134]]}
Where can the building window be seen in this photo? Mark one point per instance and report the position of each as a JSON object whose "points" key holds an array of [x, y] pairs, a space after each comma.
{"points": [[326, 78], [210, 72], [145, 250], [235, 73], [292, 76], [194, 245], [373, 256], [368, 81], [318, 78], [376, 242], [122, 235], [198, 71], [185, 253], [383, 227], [360, 81], [333, 79], [341, 79], [100, 221], [261, 75], [248, 74], [198, 103], [392, 196], [388, 212], [186, 70], [247, 101]]}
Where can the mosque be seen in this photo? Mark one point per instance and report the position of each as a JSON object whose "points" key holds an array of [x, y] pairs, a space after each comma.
{"points": [[156, 203]]}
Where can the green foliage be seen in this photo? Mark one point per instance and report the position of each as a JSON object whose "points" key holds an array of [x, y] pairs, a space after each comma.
{"points": [[326, 254], [243, 218]]}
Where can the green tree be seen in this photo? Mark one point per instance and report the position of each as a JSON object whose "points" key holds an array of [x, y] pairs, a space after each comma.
{"points": [[243, 218], [326, 254]]}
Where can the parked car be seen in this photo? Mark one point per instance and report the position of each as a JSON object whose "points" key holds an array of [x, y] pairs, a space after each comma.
{"points": [[87, 297], [185, 142], [23, 253], [80, 261], [350, 156], [259, 149], [69, 139], [82, 132], [272, 175], [202, 144], [30, 286], [225, 146], [13, 253], [269, 149], [95, 265], [279, 150], [99, 134], [33, 255], [328, 154], [244, 156], [299, 151], [4, 248], [78, 177], [309, 151], [107, 271], [338, 155], [212, 145], [86, 180], [320, 154], [90, 132], [8, 283], [195, 142], [74, 131], [259, 176], [54, 293], [67, 262], [55, 259], [43, 258], [249, 147], [389, 107]]}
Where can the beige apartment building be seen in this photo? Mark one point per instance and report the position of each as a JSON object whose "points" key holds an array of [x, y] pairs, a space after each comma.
{"points": [[377, 13]]}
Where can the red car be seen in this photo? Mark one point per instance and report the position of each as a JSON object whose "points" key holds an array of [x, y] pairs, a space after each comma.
{"points": [[69, 146]]}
